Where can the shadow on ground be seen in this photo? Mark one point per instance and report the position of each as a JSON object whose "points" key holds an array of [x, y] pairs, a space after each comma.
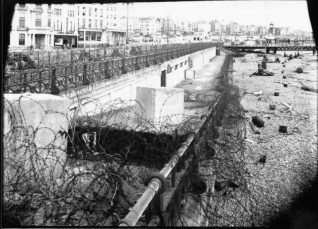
{"points": [[303, 213]]}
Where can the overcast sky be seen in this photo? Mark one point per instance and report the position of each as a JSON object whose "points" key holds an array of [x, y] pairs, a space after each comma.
{"points": [[293, 14]]}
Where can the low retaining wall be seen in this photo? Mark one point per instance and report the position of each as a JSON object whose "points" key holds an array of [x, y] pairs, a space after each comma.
{"points": [[92, 98]]}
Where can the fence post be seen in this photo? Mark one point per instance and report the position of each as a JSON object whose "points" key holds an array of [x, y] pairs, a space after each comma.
{"points": [[71, 57], [24, 82], [54, 88], [85, 80], [38, 58], [49, 58]]}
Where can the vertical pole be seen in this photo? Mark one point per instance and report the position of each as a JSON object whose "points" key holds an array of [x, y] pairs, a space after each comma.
{"points": [[85, 81], [53, 80], [24, 82], [71, 57]]}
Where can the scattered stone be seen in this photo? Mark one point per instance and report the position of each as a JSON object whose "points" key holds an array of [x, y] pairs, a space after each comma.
{"points": [[232, 184], [272, 107], [307, 88], [262, 159], [282, 129], [220, 185], [299, 70], [285, 85], [276, 93], [284, 77], [257, 121]]}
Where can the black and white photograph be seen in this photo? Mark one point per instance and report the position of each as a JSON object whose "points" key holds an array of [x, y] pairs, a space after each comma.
{"points": [[159, 114]]}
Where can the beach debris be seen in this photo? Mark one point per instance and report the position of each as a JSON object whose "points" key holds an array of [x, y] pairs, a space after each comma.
{"points": [[290, 57], [290, 107], [252, 127], [258, 93], [264, 64], [257, 121], [232, 184], [282, 129], [285, 84], [272, 107], [276, 93], [262, 72], [284, 77], [262, 159], [299, 70], [220, 185], [307, 88]]}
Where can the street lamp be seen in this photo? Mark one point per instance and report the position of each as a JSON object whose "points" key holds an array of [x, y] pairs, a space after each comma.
{"points": [[127, 36]]}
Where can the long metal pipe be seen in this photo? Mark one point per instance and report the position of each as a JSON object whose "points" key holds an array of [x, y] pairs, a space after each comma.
{"points": [[154, 185]]}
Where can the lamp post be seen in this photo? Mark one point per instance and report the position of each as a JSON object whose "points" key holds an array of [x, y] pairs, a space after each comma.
{"points": [[127, 30]]}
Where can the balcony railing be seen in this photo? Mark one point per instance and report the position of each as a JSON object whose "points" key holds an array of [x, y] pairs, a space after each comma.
{"points": [[22, 28], [38, 9]]}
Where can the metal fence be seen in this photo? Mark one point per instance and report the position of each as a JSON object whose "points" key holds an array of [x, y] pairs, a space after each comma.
{"points": [[57, 78], [42, 59]]}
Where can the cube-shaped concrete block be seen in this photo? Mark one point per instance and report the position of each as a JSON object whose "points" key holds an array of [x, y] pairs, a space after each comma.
{"points": [[189, 74], [160, 106], [35, 127]]}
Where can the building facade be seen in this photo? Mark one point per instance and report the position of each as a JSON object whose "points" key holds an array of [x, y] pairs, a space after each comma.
{"points": [[32, 27], [47, 26], [64, 21]]}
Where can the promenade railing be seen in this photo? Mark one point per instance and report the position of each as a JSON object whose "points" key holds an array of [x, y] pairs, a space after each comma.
{"points": [[56, 78]]}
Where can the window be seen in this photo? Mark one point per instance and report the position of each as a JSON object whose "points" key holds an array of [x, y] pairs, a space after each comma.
{"points": [[185, 62], [49, 22], [181, 64], [89, 23], [93, 34], [22, 22], [101, 24], [98, 36], [84, 11], [21, 39], [38, 6], [176, 67], [70, 13], [89, 11], [21, 6], [38, 20], [95, 12], [81, 35], [57, 12], [95, 24], [83, 23], [87, 36], [101, 12]]}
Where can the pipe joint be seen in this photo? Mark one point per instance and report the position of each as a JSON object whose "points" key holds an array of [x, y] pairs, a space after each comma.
{"points": [[161, 178]]}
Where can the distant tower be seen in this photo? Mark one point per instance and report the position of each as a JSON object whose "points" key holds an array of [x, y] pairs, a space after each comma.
{"points": [[271, 28]]}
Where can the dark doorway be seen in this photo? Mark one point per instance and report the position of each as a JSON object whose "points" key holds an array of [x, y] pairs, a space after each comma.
{"points": [[163, 78]]}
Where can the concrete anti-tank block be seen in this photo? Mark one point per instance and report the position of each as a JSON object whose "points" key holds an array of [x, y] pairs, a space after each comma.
{"points": [[189, 74], [35, 128], [160, 106]]}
